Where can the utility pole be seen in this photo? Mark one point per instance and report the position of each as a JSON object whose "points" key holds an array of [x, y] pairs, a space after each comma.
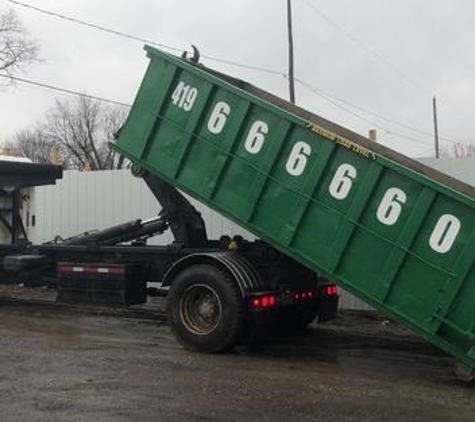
{"points": [[291, 53], [436, 128]]}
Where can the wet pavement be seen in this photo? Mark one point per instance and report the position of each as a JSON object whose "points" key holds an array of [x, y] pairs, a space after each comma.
{"points": [[60, 363]]}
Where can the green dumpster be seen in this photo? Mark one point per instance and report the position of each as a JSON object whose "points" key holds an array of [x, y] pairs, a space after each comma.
{"points": [[393, 232]]}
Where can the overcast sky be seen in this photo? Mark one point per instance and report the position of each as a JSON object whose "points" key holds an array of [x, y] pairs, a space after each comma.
{"points": [[383, 56]]}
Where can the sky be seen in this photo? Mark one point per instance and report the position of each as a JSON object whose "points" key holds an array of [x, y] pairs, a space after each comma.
{"points": [[363, 64]]}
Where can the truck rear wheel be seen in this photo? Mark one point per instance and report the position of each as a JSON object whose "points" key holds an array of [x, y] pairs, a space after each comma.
{"points": [[464, 373], [205, 309]]}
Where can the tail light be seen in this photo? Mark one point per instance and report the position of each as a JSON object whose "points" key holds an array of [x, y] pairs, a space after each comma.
{"points": [[266, 301], [304, 295], [331, 290]]}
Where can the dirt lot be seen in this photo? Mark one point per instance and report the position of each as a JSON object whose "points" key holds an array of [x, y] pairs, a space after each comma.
{"points": [[60, 363]]}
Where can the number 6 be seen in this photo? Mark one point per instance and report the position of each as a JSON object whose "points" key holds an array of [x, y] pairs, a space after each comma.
{"points": [[342, 181], [298, 158], [218, 117], [256, 137], [391, 206]]}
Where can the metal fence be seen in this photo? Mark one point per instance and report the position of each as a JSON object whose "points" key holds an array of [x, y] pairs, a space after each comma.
{"points": [[83, 201]]}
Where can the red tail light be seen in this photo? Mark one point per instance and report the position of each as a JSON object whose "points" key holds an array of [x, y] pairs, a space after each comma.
{"points": [[264, 302], [331, 290], [304, 296]]}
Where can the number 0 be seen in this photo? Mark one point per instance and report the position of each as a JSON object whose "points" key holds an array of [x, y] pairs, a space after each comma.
{"points": [[444, 234]]}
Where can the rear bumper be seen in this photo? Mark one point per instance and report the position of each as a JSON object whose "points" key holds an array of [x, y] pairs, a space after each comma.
{"points": [[328, 308]]}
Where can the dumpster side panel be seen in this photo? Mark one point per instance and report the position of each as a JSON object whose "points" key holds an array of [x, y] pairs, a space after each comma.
{"points": [[151, 98], [393, 237]]}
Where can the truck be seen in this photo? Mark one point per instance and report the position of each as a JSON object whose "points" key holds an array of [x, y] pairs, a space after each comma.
{"points": [[328, 206], [247, 289]]}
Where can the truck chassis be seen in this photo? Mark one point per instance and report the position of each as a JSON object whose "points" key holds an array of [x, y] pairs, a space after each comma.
{"points": [[220, 293]]}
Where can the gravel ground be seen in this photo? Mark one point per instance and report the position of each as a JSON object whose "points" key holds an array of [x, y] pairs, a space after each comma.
{"points": [[63, 363]]}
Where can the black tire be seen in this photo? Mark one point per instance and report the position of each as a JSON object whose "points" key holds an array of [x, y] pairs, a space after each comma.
{"points": [[464, 373], [295, 319], [205, 309]]}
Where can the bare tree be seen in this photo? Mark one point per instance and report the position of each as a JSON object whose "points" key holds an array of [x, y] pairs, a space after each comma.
{"points": [[463, 149], [30, 144], [16, 49], [81, 129]]}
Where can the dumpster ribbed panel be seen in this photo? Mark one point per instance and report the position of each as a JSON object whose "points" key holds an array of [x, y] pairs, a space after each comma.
{"points": [[397, 235]]}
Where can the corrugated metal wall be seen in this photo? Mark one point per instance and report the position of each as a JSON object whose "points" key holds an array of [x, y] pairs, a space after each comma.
{"points": [[83, 201], [94, 200]]}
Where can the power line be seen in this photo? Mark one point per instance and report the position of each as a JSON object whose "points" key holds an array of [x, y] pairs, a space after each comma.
{"points": [[377, 56], [327, 96], [106, 100], [322, 93], [102, 99], [93, 26], [362, 45], [244, 66], [63, 90], [140, 39], [388, 131], [385, 129], [330, 100]]}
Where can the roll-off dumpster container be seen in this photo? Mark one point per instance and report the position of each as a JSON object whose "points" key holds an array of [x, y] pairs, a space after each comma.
{"points": [[395, 233]]}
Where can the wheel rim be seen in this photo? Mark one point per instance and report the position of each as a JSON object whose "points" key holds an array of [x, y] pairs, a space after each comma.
{"points": [[464, 373], [200, 309]]}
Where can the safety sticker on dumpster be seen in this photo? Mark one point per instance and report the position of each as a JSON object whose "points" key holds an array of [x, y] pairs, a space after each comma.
{"points": [[339, 140]]}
